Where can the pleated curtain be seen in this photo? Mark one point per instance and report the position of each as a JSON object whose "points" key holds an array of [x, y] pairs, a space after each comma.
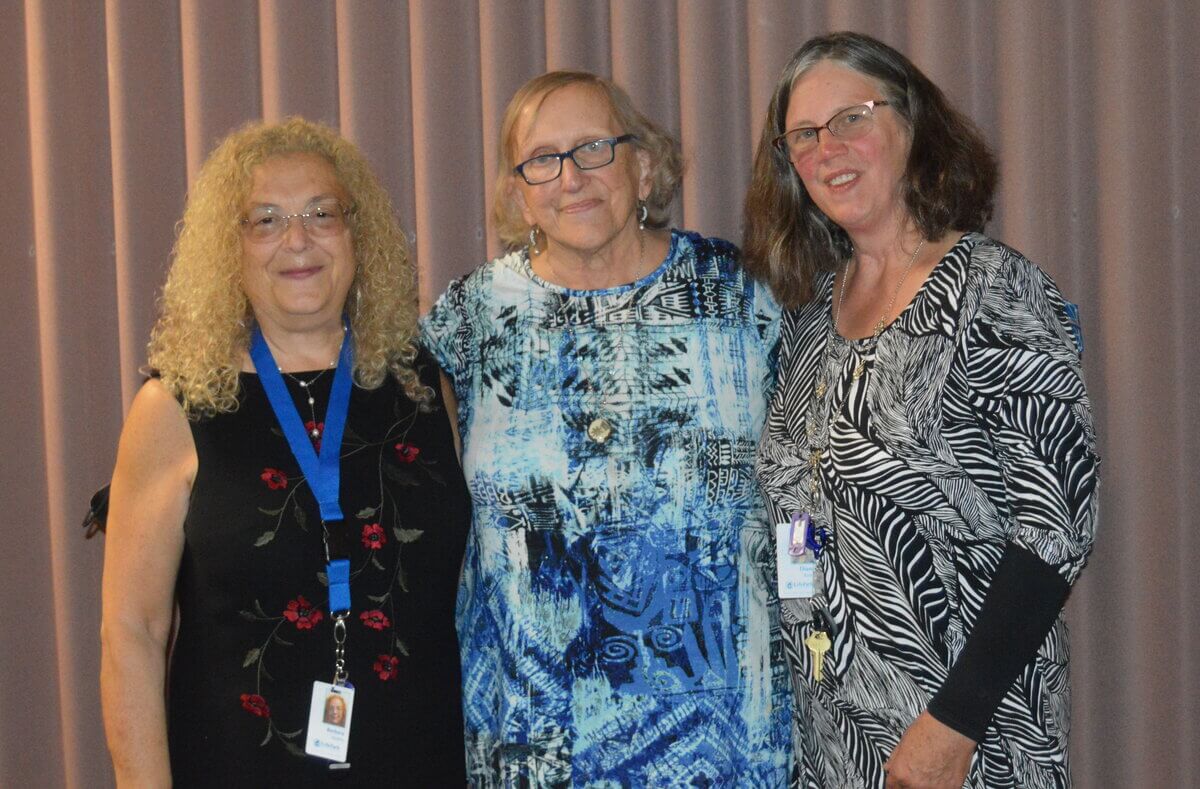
{"points": [[109, 108]]}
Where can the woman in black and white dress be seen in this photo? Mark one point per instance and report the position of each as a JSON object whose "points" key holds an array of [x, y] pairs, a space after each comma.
{"points": [[931, 439]]}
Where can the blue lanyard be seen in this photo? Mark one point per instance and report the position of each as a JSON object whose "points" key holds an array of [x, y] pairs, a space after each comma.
{"points": [[323, 472]]}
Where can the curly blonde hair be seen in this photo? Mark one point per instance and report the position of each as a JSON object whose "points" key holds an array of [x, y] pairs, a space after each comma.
{"points": [[205, 319], [666, 157]]}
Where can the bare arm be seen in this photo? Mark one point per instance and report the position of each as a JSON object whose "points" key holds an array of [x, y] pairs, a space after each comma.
{"points": [[156, 464], [451, 403]]}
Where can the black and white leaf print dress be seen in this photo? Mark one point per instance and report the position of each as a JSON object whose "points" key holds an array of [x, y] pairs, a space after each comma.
{"points": [[970, 429]]}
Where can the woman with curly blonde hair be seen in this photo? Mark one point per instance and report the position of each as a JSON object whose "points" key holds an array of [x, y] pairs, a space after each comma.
{"points": [[204, 328], [291, 441]]}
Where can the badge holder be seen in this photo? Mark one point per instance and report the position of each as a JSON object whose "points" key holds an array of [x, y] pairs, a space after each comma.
{"points": [[797, 547], [332, 706]]}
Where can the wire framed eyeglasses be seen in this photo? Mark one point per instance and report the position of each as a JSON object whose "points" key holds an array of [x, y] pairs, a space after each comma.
{"points": [[847, 124], [324, 218]]}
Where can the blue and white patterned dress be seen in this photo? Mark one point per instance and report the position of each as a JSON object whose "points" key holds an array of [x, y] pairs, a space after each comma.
{"points": [[617, 619]]}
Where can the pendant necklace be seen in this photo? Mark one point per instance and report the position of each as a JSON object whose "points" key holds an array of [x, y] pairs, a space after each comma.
{"points": [[822, 386], [305, 386], [861, 367], [600, 429], [315, 432]]}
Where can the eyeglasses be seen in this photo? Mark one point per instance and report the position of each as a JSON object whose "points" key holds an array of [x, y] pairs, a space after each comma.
{"points": [[587, 156], [265, 224], [849, 124]]}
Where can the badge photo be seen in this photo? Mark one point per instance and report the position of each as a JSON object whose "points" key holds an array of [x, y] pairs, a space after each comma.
{"points": [[329, 716]]}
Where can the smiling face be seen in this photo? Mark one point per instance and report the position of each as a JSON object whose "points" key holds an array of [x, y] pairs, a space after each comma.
{"points": [[335, 711], [856, 183], [583, 211], [298, 281]]}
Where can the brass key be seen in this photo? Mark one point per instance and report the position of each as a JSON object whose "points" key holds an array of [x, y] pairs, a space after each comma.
{"points": [[818, 644]]}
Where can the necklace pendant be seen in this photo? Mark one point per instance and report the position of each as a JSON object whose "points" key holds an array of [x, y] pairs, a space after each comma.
{"points": [[860, 368], [315, 433], [600, 430], [820, 388]]}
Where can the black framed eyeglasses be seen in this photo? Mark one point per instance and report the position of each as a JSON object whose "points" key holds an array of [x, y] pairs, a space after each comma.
{"points": [[848, 124], [323, 218], [587, 156]]}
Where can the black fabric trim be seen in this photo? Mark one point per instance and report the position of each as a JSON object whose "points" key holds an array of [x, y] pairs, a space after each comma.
{"points": [[1022, 604]]}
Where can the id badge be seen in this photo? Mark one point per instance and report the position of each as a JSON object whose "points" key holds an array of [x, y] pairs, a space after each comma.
{"points": [[329, 717], [797, 574]]}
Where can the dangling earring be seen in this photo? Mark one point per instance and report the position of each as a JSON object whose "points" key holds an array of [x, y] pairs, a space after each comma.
{"points": [[533, 240], [643, 212]]}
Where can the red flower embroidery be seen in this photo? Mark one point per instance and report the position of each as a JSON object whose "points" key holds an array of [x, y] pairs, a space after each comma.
{"points": [[385, 667], [302, 614], [407, 453], [309, 427], [274, 478], [373, 536], [255, 705], [375, 619]]}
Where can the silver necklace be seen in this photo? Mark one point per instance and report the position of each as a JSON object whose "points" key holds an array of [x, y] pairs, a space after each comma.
{"points": [[315, 432]]}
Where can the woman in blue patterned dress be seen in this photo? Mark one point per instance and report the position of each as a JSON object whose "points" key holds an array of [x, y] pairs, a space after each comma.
{"points": [[930, 432], [615, 622]]}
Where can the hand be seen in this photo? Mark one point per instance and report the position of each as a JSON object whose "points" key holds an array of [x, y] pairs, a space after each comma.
{"points": [[930, 755]]}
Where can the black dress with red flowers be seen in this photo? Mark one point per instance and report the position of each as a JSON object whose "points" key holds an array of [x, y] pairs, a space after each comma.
{"points": [[255, 630]]}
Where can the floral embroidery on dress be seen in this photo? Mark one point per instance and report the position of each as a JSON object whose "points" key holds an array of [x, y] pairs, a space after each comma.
{"points": [[255, 705], [275, 479], [301, 613], [373, 536], [386, 666], [407, 453], [317, 428], [374, 582], [375, 619]]}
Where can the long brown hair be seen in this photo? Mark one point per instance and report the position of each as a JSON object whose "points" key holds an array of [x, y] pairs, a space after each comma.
{"points": [[948, 183]]}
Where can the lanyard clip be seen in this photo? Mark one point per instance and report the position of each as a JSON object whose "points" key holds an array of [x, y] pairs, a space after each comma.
{"points": [[799, 537], [339, 648]]}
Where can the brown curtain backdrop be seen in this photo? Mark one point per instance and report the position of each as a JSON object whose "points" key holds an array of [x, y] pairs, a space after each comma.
{"points": [[110, 107]]}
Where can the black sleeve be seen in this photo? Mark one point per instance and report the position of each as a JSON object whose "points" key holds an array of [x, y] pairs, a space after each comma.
{"points": [[1025, 598]]}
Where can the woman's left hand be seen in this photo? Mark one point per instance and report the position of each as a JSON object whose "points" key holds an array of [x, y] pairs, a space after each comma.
{"points": [[930, 755]]}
